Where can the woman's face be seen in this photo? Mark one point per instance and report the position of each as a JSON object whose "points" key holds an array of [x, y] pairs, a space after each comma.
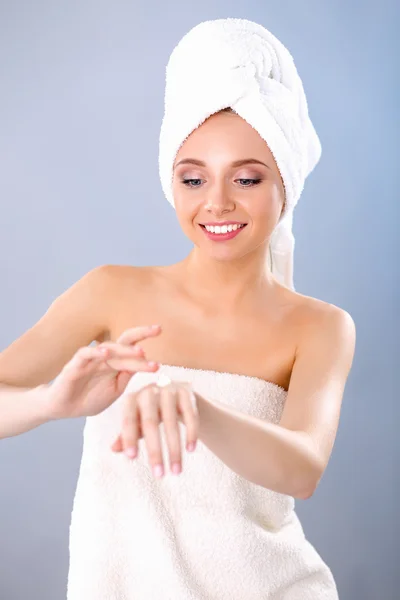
{"points": [[205, 173]]}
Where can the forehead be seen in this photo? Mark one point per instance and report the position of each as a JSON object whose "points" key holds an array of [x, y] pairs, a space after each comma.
{"points": [[227, 133]]}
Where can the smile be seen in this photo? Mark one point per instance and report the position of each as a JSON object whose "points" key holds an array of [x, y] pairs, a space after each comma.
{"points": [[220, 237]]}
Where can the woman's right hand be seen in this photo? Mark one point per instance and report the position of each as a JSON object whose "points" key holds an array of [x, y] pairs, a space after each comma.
{"points": [[96, 376]]}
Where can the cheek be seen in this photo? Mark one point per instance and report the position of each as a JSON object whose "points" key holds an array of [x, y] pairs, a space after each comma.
{"points": [[187, 202], [266, 205], [186, 208], [270, 205]]}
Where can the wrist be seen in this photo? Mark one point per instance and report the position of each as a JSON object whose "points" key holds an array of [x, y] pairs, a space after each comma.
{"points": [[42, 397]]}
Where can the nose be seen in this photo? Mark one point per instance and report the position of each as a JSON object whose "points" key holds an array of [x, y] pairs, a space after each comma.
{"points": [[218, 200]]}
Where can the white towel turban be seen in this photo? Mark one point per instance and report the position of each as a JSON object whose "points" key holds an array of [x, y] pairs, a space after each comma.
{"points": [[239, 64]]}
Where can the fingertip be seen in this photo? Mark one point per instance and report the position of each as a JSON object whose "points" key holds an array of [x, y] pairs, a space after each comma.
{"points": [[131, 452], [117, 445], [191, 446], [155, 329], [153, 365]]}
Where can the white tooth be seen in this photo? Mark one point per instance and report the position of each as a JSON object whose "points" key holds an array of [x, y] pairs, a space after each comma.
{"points": [[222, 229]]}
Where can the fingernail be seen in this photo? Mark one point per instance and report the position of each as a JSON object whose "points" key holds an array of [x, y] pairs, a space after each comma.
{"points": [[158, 471], [155, 326], [176, 468], [152, 364], [191, 446], [131, 452]]}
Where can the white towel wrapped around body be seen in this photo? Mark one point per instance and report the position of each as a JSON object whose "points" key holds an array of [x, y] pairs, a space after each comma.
{"points": [[206, 534], [239, 64]]}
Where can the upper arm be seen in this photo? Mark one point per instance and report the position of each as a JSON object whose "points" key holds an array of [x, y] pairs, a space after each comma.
{"points": [[318, 380], [75, 319]]}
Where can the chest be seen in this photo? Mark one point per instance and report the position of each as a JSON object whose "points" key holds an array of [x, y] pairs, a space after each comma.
{"points": [[249, 344]]}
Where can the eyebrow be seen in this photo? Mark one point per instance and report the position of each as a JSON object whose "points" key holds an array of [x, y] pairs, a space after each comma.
{"points": [[236, 163]]}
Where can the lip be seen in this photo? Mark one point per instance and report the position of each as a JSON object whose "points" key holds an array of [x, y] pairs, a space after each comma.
{"points": [[221, 223], [221, 237]]}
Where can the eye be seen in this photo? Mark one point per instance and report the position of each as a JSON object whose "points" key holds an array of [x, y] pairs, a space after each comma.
{"points": [[189, 182], [245, 182]]}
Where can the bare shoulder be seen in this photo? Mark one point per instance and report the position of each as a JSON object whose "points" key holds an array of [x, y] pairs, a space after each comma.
{"points": [[114, 278], [314, 312], [124, 274], [323, 323], [98, 289], [76, 318]]}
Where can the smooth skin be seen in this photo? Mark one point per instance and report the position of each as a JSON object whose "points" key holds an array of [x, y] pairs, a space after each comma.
{"points": [[224, 313], [143, 412], [93, 378]]}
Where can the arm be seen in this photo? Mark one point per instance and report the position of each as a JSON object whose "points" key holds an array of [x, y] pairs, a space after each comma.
{"points": [[291, 457], [74, 319], [22, 409]]}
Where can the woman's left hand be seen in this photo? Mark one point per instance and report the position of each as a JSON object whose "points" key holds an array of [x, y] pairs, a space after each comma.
{"points": [[143, 411]]}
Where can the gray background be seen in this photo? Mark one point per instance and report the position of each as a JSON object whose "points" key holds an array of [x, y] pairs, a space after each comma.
{"points": [[81, 102]]}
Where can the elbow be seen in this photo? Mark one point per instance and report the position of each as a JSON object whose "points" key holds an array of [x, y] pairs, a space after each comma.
{"points": [[306, 493], [309, 482]]}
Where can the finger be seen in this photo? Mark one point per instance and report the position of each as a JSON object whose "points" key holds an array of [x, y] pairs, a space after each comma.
{"points": [[84, 356], [130, 426], [126, 358], [149, 411], [118, 446], [115, 349], [188, 409], [133, 365], [169, 416], [122, 380], [137, 334]]}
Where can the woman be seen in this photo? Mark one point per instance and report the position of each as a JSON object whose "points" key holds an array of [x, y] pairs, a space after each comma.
{"points": [[250, 369]]}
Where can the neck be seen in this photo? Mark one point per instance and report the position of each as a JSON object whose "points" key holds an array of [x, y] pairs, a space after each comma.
{"points": [[226, 285]]}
